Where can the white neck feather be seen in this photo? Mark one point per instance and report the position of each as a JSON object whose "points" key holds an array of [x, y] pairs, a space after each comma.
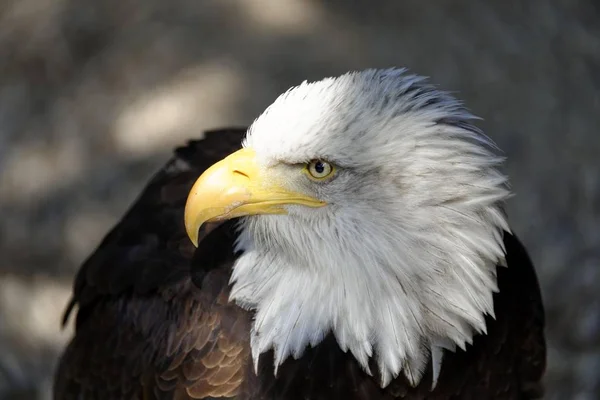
{"points": [[396, 294]]}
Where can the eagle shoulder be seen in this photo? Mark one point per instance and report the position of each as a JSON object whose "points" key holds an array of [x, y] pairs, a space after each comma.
{"points": [[143, 328]]}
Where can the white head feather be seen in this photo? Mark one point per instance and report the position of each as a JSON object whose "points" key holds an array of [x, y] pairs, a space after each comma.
{"points": [[402, 261]]}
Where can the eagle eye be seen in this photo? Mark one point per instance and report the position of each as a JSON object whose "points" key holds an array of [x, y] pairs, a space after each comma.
{"points": [[319, 169]]}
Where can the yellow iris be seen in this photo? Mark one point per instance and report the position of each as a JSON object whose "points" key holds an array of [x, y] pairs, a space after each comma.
{"points": [[319, 169]]}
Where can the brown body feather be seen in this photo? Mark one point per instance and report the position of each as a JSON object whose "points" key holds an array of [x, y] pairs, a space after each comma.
{"points": [[154, 321]]}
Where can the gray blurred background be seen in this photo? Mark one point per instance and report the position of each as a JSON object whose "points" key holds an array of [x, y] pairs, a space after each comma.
{"points": [[95, 93]]}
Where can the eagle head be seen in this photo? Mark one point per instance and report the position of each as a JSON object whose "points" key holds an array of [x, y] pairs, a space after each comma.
{"points": [[370, 207]]}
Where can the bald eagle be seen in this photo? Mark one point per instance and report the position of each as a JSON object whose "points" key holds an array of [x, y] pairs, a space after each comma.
{"points": [[351, 244]]}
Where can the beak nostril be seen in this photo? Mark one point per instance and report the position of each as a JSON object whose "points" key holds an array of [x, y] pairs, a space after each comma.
{"points": [[238, 172]]}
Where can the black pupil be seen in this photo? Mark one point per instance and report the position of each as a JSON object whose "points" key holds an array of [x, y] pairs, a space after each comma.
{"points": [[319, 167]]}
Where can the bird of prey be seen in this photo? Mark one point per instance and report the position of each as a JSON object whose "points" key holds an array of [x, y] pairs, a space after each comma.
{"points": [[350, 244]]}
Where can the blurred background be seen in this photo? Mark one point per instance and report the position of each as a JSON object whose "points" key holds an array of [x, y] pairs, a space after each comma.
{"points": [[94, 94]]}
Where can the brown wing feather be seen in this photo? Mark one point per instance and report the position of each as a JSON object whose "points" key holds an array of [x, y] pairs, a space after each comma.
{"points": [[143, 329]]}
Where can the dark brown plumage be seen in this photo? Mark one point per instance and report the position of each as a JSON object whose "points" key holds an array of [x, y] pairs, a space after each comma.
{"points": [[154, 321]]}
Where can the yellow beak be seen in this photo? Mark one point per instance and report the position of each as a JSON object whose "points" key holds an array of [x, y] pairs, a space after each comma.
{"points": [[234, 187]]}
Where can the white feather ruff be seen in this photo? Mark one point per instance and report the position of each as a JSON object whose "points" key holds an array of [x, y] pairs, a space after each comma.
{"points": [[401, 264]]}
